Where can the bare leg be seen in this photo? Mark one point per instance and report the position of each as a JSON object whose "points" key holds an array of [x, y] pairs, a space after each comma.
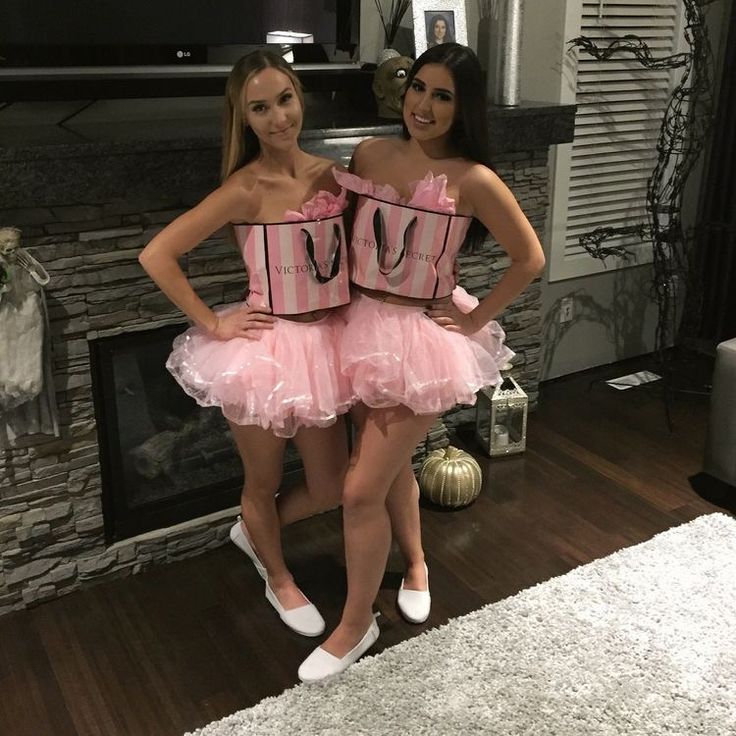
{"points": [[385, 442], [324, 453], [403, 509], [402, 503], [262, 455]]}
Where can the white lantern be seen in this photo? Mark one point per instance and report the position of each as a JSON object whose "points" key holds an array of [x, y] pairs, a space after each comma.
{"points": [[500, 419]]}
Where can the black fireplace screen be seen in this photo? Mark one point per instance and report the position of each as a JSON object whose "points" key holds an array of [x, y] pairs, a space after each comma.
{"points": [[163, 458]]}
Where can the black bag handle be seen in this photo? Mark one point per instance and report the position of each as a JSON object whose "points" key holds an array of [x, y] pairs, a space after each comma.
{"points": [[378, 236], [309, 246]]}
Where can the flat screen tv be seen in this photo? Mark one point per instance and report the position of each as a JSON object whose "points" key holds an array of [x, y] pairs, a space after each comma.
{"points": [[57, 33], [91, 49]]}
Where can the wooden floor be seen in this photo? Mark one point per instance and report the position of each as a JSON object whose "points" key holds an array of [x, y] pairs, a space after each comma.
{"points": [[182, 645]]}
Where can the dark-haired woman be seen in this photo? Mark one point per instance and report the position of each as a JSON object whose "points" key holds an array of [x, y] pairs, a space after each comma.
{"points": [[414, 344]]}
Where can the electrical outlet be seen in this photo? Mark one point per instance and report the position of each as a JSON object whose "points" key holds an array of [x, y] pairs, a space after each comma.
{"points": [[566, 309]]}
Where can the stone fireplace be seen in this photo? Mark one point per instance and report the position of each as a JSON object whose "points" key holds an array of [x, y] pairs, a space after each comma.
{"points": [[86, 209]]}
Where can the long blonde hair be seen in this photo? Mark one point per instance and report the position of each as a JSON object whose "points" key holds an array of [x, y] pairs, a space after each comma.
{"points": [[240, 144]]}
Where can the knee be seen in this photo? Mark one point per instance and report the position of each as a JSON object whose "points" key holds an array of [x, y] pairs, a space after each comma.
{"points": [[256, 490], [359, 498]]}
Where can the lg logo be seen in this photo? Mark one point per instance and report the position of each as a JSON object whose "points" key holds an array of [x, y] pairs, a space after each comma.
{"points": [[183, 54]]}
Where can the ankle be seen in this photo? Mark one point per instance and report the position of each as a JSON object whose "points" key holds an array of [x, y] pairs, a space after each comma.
{"points": [[281, 581], [355, 626], [243, 520], [416, 576], [416, 563]]}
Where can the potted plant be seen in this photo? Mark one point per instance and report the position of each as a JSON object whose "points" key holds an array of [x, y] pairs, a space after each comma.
{"points": [[391, 18]]}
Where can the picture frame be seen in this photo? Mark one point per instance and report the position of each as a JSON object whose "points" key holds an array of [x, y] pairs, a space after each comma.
{"points": [[435, 20]]}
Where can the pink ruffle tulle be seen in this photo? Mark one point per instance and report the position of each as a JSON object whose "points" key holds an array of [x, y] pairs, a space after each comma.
{"points": [[286, 379], [395, 354], [429, 193], [289, 377], [323, 204]]}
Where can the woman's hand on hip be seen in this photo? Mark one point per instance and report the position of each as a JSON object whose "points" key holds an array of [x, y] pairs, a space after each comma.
{"points": [[447, 315], [243, 322]]}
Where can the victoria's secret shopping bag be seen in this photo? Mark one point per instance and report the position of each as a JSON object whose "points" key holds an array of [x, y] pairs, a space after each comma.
{"points": [[297, 267], [405, 250]]}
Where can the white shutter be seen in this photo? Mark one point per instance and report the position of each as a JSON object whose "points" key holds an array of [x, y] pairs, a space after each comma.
{"points": [[601, 178]]}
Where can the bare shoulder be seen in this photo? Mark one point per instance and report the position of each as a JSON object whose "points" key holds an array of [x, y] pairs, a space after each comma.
{"points": [[478, 176], [240, 194], [372, 149], [244, 179], [478, 183]]}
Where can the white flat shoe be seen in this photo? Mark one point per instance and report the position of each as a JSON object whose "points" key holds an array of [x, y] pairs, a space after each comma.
{"points": [[305, 620], [238, 538], [321, 664], [414, 604]]}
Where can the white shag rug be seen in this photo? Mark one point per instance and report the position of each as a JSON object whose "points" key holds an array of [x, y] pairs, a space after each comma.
{"points": [[639, 643]]}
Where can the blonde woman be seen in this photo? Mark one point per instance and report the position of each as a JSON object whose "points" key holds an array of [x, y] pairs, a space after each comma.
{"points": [[271, 363]]}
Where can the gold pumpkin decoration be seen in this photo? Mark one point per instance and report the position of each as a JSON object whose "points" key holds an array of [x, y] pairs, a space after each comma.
{"points": [[450, 477]]}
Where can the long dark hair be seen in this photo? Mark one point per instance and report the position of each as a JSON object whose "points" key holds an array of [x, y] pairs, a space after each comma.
{"points": [[469, 133], [240, 144]]}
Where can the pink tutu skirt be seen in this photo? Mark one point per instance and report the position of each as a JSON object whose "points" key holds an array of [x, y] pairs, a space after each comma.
{"points": [[396, 354], [286, 379]]}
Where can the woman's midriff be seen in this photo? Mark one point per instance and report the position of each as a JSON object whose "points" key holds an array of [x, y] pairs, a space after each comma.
{"points": [[404, 301], [314, 316]]}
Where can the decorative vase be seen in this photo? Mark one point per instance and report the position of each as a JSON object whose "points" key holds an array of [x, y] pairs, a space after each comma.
{"points": [[499, 51], [385, 54], [450, 477]]}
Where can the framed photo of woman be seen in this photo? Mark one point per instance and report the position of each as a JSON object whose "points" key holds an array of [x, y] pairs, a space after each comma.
{"points": [[437, 22]]}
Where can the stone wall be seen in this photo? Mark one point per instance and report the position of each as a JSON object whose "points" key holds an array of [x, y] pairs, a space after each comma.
{"points": [[86, 218]]}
